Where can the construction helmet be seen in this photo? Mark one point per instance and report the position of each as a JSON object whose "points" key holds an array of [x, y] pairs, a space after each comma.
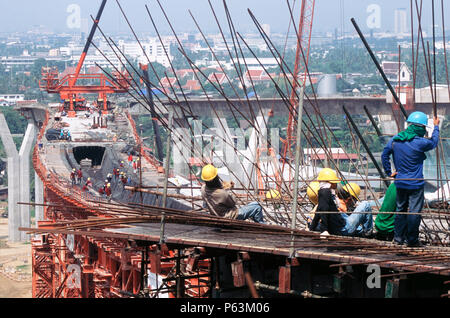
{"points": [[73, 169], [109, 184], [273, 194], [418, 118], [89, 179], [209, 172], [313, 191], [328, 175], [353, 189]]}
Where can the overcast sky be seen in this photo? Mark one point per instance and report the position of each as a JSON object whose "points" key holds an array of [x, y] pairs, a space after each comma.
{"points": [[21, 15]]}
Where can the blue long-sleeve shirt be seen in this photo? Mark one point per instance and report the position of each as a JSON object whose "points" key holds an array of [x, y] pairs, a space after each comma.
{"points": [[408, 157]]}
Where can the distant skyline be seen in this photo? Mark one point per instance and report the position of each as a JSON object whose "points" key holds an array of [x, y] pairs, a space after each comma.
{"points": [[329, 15]]}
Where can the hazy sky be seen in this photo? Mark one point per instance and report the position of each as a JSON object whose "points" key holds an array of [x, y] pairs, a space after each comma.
{"points": [[21, 15]]}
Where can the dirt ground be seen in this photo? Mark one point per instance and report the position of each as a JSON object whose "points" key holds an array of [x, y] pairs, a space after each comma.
{"points": [[15, 266]]}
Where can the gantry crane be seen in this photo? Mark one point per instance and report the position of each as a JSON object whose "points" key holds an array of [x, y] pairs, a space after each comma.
{"points": [[67, 86]]}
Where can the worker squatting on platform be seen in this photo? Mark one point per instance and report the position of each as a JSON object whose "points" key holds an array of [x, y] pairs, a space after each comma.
{"points": [[220, 200], [338, 222]]}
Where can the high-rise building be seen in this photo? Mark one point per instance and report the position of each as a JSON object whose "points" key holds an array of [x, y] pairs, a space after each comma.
{"points": [[400, 21], [266, 29]]}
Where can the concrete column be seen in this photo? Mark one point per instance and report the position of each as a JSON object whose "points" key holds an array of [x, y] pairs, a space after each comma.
{"points": [[258, 139], [24, 161], [225, 144], [13, 181], [38, 198], [388, 125], [181, 151]]}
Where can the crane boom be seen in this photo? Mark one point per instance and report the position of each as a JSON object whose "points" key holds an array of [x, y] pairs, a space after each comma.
{"points": [[300, 68], [88, 43]]}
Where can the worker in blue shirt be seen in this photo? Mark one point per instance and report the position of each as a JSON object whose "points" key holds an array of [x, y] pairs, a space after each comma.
{"points": [[408, 151]]}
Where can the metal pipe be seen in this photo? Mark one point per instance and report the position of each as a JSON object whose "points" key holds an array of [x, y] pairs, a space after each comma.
{"points": [[166, 177], [297, 166], [372, 120]]}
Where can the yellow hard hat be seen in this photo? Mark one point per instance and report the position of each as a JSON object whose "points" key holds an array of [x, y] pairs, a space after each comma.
{"points": [[313, 191], [353, 189], [273, 194], [109, 184], [209, 172], [328, 175]]}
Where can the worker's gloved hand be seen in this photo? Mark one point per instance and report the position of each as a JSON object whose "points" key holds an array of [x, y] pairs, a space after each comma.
{"points": [[228, 185], [436, 121], [324, 234]]}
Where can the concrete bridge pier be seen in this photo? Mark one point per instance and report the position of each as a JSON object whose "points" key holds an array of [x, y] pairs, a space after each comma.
{"points": [[225, 148], [24, 161], [388, 125], [258, 139], [18, 179], [38, 198]]}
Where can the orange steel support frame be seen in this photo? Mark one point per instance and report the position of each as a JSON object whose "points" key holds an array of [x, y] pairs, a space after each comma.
{"points": [[68, 90]]}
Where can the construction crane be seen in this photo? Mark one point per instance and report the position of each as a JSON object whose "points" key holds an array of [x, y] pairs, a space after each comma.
{"points": [[299, 79], [300, 72], [67, 86]]}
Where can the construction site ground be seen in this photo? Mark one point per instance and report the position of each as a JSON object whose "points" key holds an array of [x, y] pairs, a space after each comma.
{"points": [[15, 266]]}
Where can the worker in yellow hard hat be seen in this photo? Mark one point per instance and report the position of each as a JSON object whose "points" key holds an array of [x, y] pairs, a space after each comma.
{"points": [[220, 201], [358, 219], [327, 201], [312, 191], [273, 194]]}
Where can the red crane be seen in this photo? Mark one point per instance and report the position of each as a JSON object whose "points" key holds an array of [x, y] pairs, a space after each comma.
{"points": [[300, 70], [67, 86]]}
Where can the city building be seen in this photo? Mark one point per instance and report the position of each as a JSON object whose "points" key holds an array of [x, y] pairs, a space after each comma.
{"points": [[10, 99], [391, 69], [400, 22]]}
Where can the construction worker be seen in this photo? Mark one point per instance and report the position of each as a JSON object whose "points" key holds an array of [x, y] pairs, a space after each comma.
{"points": [[358, 217], [327, 223], [79, 176], [124, 178], [130, 159], [408, 151], [73, 176], [384, 222], [339, 222], [134, 166], [221, 202], [87, 184], [121, 164], [109, 177], [312, 192], [108, 191], [116, 173]]}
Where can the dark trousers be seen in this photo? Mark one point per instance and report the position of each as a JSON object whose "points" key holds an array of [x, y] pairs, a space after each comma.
{"points": [[406, 226]]}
